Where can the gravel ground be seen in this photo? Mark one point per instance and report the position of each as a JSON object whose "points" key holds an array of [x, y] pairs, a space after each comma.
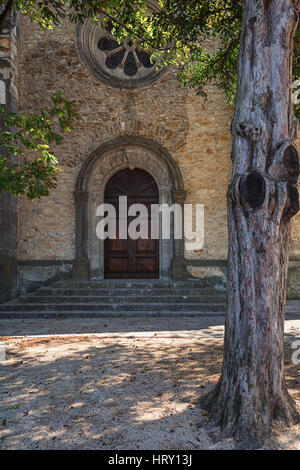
{"points": [[117, 384]]}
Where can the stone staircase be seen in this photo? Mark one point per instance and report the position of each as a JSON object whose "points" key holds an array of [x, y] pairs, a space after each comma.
{"points": [[118, 298]]}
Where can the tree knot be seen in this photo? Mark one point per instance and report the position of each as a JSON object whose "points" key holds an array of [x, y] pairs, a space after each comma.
{"points": [[252, 189], [250, 130], [252, 21], [284, 162]]}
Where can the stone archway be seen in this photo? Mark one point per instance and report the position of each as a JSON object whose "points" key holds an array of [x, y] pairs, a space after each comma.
{"points": [[108, 159]]}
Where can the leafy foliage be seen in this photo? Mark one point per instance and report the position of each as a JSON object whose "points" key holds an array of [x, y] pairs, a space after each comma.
{"points": [[200, 37], [29, 132], [296, 73], [175, 33]]}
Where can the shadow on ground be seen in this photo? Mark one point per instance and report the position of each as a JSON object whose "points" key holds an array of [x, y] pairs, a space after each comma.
{"points": [[68, 326], [99, 395], [89, 392]]}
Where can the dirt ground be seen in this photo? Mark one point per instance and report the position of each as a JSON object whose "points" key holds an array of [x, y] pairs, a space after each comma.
{"points": [[117, 384]]}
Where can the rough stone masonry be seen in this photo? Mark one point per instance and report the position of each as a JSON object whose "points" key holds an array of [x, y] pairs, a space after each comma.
{"points": [[189, 136]]}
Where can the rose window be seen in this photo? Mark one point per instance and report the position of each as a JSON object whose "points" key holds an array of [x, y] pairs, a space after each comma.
{"points": [[127, 56], [120, 64]]}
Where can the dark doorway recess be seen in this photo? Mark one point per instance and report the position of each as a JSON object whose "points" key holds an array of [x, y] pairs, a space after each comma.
{"points": [[131, 259]]}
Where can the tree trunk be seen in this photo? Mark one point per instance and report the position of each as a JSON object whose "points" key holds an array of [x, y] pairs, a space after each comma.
{"points": [[262, 199]]}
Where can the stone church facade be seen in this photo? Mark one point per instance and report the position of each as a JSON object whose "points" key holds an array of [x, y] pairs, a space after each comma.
{"points": [[134, 117]]}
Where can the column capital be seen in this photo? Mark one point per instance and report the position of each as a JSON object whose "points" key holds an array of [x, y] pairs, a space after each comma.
{"points": [[81, 196], [179, 195]]}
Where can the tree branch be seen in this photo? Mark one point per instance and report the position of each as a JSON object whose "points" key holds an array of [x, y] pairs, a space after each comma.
{"points": [[129, 30]]}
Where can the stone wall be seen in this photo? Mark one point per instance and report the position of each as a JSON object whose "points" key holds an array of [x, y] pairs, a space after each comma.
{"points": [[195, 133]]}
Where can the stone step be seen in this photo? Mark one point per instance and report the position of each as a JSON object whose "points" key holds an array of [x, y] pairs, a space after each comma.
{"points": [[128, 292], [6, 315], [170, 299], [111, 307], [293, 306], [114, 298], [132, 284]]}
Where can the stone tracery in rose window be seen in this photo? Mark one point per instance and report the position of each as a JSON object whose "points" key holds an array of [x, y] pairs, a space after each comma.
{"points": [[127, 56], [123, 64]]}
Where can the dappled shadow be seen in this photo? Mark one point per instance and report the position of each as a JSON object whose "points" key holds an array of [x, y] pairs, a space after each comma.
{"points": [[104, 394], [169, 325], [109, 393]]}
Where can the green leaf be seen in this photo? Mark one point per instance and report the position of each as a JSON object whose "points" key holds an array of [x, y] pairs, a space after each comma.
{"points": [[34, 133]]}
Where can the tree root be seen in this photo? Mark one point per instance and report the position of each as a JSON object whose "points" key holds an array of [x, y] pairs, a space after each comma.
{"points": [[249, 430]]}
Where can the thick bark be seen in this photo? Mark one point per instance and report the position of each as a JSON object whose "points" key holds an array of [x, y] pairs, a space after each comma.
{"points": [[262, 199]]}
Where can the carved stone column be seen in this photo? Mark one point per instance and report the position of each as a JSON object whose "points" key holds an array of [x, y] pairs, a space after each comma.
{"points": [[179, 267], [81, 266], [9, 99]]}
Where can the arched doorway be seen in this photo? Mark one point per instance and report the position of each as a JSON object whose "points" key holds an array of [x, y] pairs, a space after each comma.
{"points": [[120, 154], [129, 258]]}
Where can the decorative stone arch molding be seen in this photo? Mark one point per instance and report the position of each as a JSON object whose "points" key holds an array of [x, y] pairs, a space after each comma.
{"points": [[103, 163]]}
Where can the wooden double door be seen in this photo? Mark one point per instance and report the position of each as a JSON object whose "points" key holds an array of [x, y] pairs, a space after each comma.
{"points": [[129, 258]]}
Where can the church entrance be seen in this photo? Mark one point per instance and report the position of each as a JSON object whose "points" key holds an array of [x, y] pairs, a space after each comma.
{"points": [[131, 259]]}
